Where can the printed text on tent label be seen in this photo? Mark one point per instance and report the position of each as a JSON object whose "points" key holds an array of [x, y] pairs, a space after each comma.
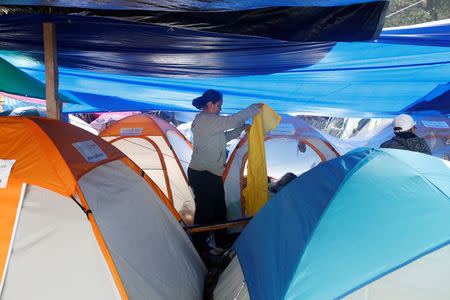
{"points": [[90, 151]]}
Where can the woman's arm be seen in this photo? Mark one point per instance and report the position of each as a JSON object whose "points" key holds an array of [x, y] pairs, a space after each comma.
{"points": [[221, 123], [232, 134]]}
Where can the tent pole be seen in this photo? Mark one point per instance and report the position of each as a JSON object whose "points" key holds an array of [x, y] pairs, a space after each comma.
{"points": [[54, 106]]}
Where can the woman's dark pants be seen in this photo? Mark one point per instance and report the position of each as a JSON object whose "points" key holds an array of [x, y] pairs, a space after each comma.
{"points": [[210, 205]]}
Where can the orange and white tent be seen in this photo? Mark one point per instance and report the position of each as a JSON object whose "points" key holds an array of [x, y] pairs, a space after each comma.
{"points": [[161, 151], [293, 146], [78, 221]]}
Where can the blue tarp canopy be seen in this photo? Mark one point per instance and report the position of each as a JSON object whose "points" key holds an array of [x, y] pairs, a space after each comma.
{"points": [[120, 57]]}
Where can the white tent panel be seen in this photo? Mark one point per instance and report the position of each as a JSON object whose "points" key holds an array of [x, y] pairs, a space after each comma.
{"points": [[182, 149], [145, 155], [181, 192], [142, 152], [55, 254], [231, 284], [178, 182], [152, 253], [425, 278], [158, 178]]}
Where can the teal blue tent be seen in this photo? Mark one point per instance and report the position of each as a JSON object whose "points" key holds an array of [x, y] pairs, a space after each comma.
{"points": [[372, 224]]}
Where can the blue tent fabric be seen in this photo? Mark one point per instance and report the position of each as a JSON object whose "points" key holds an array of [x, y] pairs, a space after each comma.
{"points": [[346, 223]]}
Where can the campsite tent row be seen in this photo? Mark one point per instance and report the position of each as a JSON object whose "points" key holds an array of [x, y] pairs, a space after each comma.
{"points": [[164, 154], [100, 212]]}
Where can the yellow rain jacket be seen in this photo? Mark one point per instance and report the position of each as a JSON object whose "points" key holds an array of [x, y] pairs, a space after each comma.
{"points": [[256, 193]]}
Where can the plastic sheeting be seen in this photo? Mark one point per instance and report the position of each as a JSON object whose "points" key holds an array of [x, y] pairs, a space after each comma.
{"points": [[338, 228], [179, 5], [354, 79], [361, 79], [318, 20], [20, 83], [428, 34]]}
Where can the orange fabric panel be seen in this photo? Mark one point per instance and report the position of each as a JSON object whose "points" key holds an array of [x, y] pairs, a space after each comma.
{"points": [[144, 121], [37, 160], [10, 197], [103, 247], [63, 135], [44, 152]]}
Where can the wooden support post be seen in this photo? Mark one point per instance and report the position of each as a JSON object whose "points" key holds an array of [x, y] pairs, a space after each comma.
{"points": [[54, 106]]}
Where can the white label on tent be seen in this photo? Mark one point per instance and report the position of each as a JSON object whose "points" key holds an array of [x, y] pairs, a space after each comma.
{"points": [[435, 124], [90, 151], [131, 131], [283, 129], [5, 169]]}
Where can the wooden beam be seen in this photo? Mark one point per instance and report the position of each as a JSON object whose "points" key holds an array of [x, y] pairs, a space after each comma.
{"points": [[209, 227], [54, 106]]}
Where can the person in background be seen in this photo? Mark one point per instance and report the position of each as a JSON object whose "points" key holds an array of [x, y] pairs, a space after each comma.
{"points": [[282, 182], [405, 137], [211, 132]]}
